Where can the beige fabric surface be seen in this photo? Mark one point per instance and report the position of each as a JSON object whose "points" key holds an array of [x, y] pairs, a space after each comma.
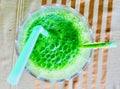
{"points": [[103, 72]]}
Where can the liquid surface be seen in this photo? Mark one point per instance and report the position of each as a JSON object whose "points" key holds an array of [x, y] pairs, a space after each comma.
{"points": [[60, 47]]}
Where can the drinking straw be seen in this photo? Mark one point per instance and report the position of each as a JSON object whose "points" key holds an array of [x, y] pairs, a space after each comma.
{"points": [[18, 68], [99, 45]]}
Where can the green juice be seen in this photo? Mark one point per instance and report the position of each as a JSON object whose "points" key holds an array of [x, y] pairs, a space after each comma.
{"points": [[56, 57]]}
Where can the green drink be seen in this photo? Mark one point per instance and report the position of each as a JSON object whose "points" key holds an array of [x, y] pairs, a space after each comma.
{"points": [[57, 57]]}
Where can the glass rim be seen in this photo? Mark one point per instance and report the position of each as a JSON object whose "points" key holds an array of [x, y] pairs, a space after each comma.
{"points": [[88, 28]]}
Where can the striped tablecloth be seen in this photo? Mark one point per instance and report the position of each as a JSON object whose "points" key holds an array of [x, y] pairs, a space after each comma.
{"points": [[103, 17]]}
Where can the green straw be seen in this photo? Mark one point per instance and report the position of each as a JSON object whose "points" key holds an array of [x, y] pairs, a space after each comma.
{"points": [[24, 55], [99, 45]]}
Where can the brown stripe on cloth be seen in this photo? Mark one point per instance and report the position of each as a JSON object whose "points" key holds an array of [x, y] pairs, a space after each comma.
{"points": [[75, 85], [99, 22], [44, 2], [37, 84], [85, 77], [66, 84], [91, 11], [82, 6], [107, 38], [96, 52], [90, 20], [75, 82], [57, 86], [63, 2], [109, 17], [46, 85], [73, 3], [54, 1]]}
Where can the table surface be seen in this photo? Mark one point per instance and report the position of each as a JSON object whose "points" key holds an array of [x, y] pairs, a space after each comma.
{"points": [[103, 16]]}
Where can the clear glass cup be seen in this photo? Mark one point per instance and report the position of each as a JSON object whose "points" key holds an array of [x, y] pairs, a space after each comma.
{"points": [[58, 57]]}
